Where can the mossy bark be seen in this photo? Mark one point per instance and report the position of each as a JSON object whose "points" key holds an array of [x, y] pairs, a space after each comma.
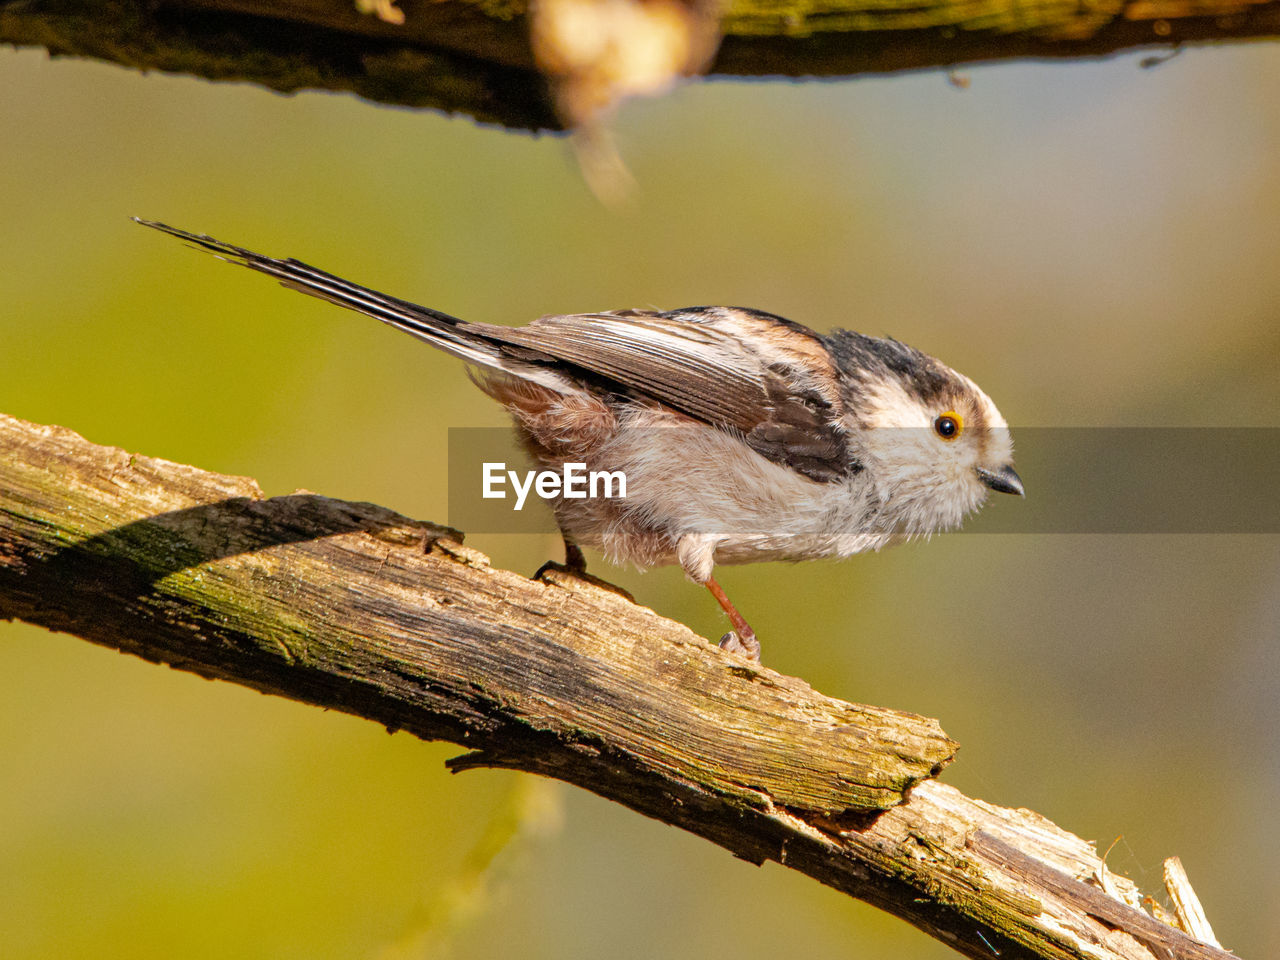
{"points": [[472, 56], [353, 607]]}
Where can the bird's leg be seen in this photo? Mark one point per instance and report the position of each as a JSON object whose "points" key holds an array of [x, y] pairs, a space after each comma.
{"points": [[743, 639], [574, 561]]}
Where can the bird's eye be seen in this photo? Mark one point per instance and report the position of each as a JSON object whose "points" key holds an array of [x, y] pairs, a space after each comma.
{"points": [[949, 425]]}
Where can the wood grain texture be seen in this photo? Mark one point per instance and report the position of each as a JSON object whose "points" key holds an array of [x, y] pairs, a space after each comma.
{"points": [[353, 607], [473, 56]]}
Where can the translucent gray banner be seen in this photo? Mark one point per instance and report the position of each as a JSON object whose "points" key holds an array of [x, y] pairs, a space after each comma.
{"points": [[1078, 480]]}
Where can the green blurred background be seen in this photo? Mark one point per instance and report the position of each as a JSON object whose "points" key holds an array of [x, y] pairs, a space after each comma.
{"points": [[1095, 243]]}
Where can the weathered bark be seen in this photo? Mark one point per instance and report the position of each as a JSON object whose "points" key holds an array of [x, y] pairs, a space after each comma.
{"points": [[353, 607], [472, 56]]}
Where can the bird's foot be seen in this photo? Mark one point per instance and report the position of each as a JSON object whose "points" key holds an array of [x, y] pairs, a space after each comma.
{"points": [[579, 573], [741, 639], [748, 645], [575, 563]]}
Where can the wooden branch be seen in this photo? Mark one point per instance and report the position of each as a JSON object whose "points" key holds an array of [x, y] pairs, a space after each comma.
{"points": [[353, 607], [472, 56]]}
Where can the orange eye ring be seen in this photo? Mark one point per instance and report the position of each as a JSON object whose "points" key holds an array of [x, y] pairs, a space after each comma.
{"points": [[949, 425]]}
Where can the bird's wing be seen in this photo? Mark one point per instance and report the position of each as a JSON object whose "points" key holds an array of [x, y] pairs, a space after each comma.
{"points": [[751, 373]]}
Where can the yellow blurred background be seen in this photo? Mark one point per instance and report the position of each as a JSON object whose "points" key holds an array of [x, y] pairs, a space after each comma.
{"points": [[1094, 243]]}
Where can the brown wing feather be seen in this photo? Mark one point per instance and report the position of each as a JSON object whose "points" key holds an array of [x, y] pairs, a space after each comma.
{"points": [[764, 377]]}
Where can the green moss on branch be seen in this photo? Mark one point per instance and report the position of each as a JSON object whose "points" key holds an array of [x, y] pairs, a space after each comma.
{"points": [[352, 607], [472, 56]]}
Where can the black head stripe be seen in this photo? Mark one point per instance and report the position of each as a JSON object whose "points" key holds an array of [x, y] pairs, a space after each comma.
{"points": [[860, 358]]}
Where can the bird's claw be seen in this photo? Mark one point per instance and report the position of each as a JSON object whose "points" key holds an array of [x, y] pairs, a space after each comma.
{"points": [[748, 646]]}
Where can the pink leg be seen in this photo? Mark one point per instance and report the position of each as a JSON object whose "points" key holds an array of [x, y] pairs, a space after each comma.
{"points": [[743, 639]]}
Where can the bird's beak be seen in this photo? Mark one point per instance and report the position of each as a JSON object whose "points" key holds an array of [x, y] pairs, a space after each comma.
{"points": [[1004, 480]]}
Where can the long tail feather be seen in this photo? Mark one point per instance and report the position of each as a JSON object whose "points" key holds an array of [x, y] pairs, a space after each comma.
{"points": [[438, 329]]}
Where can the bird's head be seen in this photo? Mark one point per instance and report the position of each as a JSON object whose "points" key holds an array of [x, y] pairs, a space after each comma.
{"points": [[932, 444]]}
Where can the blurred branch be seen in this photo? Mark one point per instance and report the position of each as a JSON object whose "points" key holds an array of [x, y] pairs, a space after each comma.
{"points": [[532, 808], [473, 56], [355, 608]]}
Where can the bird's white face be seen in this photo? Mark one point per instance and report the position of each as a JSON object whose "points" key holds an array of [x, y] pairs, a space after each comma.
{"points": [[931, 460]]}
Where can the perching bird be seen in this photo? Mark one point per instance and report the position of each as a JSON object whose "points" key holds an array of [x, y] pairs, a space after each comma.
{"points": [[743, 436]]}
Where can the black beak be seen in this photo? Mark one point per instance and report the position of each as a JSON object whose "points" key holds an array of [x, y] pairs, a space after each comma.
{"points": [[1004, 480]]}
